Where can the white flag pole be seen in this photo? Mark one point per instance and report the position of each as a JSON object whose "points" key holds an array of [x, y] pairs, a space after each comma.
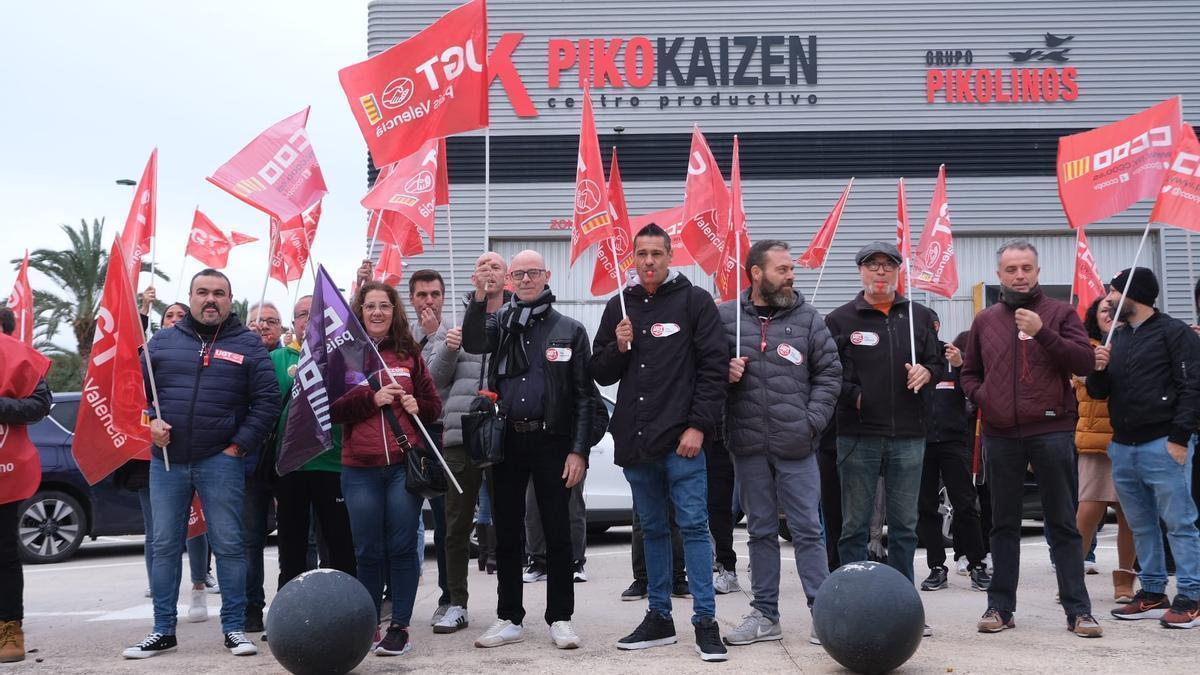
{"points": [[1133, 268], [912, 335], [487, 188], [179, 284], [813, 298], [612, 242], [737, 341], [149, 373], [270, 264], [375, 236]]}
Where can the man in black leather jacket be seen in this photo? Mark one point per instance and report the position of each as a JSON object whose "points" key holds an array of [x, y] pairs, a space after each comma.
{"points": [[538, 366]]}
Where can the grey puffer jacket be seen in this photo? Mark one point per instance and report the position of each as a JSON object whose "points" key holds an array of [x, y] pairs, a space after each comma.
{"points": [[789, 391], [456, 376]]}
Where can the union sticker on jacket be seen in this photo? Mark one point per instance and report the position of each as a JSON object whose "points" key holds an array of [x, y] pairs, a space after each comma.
{"points": [[558, 354], [945, 384], [664, 329], [1023, 335], [864, 338], [400, 371], [790, 353], [225, 355]]}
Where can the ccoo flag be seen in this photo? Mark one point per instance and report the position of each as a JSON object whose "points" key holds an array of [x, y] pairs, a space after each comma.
{"points": [[1178, 201], [814, 256], [336, 356], [936, 266], [705, 206]]}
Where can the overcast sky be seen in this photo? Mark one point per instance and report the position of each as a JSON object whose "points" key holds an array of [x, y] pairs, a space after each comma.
{"points": [[91, 87]]}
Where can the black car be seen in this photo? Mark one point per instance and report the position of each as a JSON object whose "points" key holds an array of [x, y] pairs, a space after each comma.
{"points": [[55, 520]]}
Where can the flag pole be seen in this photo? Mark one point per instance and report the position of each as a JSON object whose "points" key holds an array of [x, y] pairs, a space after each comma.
{"points": [[149, 371], [179, 284], [1129, 282], [912, 335], [813, 299], [270, 263], [487, 188], [375, 236], [1187, 234], [612, 242], [450, 246]]}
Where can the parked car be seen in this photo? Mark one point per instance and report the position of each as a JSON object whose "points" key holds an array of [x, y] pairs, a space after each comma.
{"points": [[606, 493], [54, 522]]}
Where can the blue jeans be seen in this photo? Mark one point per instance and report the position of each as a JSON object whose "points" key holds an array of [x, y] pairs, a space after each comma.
{"points": [[1154, 486], [219, 480], [861, 461], [197, 547], [685, 483], [256, 506], [383, 522], [484, 515]]}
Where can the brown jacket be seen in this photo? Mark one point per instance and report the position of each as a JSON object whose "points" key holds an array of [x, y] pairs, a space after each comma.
{"points": [[1094, 431]]}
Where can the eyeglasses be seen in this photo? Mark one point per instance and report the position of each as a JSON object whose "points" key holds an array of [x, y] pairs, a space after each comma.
{"points": [[875, 265], [384, 307], [300, 316], [519, 275], [266, 322]]}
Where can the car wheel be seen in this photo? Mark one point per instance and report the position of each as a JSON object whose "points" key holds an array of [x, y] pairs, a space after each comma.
{"points": [[51, 526], [947, 512]]}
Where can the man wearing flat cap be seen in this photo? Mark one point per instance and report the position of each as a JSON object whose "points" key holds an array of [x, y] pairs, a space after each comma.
{"points": [[1154, 407], [880, 410]]}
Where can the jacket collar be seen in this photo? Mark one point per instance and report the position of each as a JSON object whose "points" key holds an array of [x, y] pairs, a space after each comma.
{"points": [[748, 305], [231, 326], [861, 304], [675, 281]]}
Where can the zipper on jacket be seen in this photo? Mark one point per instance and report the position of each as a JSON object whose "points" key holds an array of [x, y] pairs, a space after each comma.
{"points": [[1015, 401], [196, 388], [887, 323]]}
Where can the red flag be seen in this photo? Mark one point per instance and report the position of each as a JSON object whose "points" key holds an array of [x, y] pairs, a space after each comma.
{"points": [[1106, 170], [670, 220], [443, 180], [903, 234], [277, 173], [731, 265], [935, 267], [410, 187], [390, 268], [139, 224], [705, 206], [21, 367], [433, 84], [197, 525], [1087, 285], [298, 242], [109, 430], [814, 256], [21, 303], [593, 220], [237, 238], [396, 229], [207, 243], [1178, 201], [278, 262], [604, 279]]}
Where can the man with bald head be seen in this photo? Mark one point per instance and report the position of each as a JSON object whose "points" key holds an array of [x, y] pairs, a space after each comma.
{"points": [[537, 363]]}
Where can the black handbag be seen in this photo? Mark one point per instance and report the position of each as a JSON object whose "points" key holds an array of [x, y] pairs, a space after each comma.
{"points": [[423, 473], [483, 427]]}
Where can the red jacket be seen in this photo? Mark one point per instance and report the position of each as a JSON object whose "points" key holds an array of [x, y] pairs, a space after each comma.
{"points": [[1023, 384], [367, 440]]}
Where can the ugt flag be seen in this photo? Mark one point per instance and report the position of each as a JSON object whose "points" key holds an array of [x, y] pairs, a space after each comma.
{"points": [[208, 244], [21, 303], [433, 84], [737, 239], [1178, 201], [139, 224], [605, 274], [593, 218], [412, 187], [336, 356], [277, 172], [109, 429], [1106, 170], [814, 256], [903, 235], [21, 367], [705, 206], [936, 267], [1087, 285]]}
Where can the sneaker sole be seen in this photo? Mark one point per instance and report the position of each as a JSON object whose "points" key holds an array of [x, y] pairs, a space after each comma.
{"points": [[442, 629], [977, 587], [1089, 634], [243, 651], [1191, 624], [750, 641], [532, 580], [567, 644], [1148, 614], [704, 656], [483, 645], [935, 588], [146, 655], [1000, 629], [632, 598], [386, 652], [647, 644]]}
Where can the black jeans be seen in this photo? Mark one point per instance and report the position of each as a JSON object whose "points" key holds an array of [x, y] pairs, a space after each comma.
{"points": [[1053, 459], [12, 580], [720, 504], [949, 463], [437, 507], [297, 496], [638, 552], [539, 456], [831, 505]]}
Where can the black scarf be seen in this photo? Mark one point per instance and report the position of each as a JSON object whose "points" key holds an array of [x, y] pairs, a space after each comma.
{"points": [[1018, 299], [515, 318]]}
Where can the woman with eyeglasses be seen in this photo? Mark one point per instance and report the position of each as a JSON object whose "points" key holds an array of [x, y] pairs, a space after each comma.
{"points": [[383, 514]]}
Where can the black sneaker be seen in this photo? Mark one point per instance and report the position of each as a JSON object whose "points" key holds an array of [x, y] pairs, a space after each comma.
{"points": [[394, 643], [936, 580], [636, 591], [655, 630], [679, 588], [153, 645], [980, 579], [238, 644], [254, 619], [708, 641]]}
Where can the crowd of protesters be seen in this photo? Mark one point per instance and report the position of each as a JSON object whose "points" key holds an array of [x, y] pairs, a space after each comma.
{"points": [[838, 424]]}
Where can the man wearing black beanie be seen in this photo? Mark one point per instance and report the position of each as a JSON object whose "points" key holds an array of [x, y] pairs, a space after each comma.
{"points": [[1149, 376]]}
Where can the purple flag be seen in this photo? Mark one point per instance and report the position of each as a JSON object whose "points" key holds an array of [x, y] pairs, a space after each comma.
{"points": [[336, 356]]}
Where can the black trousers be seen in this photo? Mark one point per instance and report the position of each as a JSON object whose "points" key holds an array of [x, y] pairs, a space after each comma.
{"points": [[949, 463], [831, 505], [1053, 459], [12, 580], [539, 456], [720, 504], [297, 496]]}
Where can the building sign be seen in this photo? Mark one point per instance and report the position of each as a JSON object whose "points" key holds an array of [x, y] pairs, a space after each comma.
{"points": [[1034, 76]]}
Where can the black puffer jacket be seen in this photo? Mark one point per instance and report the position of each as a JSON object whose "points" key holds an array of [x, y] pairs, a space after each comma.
{"points": [[673, 377], [570, 395], [874, 348], [947, 406], [1151, 383], [789, 390]]}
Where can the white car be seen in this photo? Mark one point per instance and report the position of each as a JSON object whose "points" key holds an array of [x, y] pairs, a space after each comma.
{"points": [[605, 491]]}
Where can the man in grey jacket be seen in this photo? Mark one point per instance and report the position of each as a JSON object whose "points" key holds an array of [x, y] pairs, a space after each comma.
{"points": [[783, 390]]}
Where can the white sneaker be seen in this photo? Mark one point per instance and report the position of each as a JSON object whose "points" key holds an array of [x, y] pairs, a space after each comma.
{"points": [[454, 620], [962, 566], [987, 560], [503, 632], [725, 582], [563, 634], [198, 611], [927, 631], [210, 584], [1089, 567], [148, 594], [812, 637]]}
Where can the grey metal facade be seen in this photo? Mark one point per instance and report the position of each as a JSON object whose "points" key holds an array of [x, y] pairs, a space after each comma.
{"points": [[871, 117]]}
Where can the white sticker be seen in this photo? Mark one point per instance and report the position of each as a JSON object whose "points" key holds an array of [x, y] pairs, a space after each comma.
{"points": [[1023, 335], [664, 329], [558, 354], [786, 351], [864, 338], [400, 372], [945, 384]]}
